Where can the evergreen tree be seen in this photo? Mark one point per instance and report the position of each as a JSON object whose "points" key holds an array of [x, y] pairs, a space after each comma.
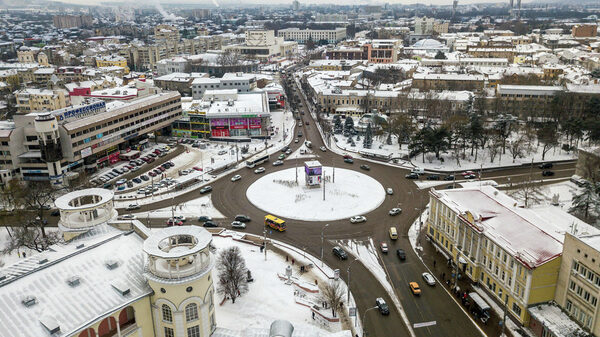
{"points": [[348, 124], [586, 200], [368, 141]]}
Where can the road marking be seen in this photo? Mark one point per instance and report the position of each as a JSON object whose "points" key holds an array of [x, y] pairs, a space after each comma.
{"points": [[424, 324]]}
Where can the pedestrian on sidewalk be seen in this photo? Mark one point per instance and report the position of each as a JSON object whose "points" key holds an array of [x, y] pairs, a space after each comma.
{"points": [[434, 264]]}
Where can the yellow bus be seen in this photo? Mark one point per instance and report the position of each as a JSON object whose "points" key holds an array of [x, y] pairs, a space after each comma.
{"points": [[274, 222]]}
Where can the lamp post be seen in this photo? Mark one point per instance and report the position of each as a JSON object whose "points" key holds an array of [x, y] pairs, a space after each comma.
{"points": [[348, 287], [365, 320], [323, 230]]}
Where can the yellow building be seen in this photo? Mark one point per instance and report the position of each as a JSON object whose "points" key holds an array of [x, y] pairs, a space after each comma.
{"points": [[112, 61], [29, 100], [513, 252]]}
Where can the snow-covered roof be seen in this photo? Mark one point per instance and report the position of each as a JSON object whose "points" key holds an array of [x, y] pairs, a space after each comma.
{"points": [[154, 245], [555, 320], [72, 307]]}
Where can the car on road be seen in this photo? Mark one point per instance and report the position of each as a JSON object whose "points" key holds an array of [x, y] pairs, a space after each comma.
{"points": [[414, 288], [175, 222], [204, 218], [236, 177], [449, 177], [384, 247], [433, 177], [296, 140], [547, 173], [395, 211], [132, 207], [242, 218], [238, 225], [544, 166], [180, 218], [358, 219], [466, 173], [340, 253], [276, 163], [285, 149], [412, 176], [428, 279], [365, 167], [126, 217], [401, 254], [349, 160], [288, 152], [121, 181], [281, 156], [470, 176], [389, 191], [323, 148], [259, 170], [205, 189], [210, 223], [347, 156], [382, 306], [222, 152]]}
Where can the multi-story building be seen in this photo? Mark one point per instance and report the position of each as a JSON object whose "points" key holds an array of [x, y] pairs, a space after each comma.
{"points": [[239, 81], [317, 35], [374, 51], [193, 122], [30, 100], [518, 99], [428, 26], [147, 56], [166, 33], [112, 60], [353, 102], [513, 252], [584, 30], [173, 65], [263, 45], [449, 81], [71, 21], [181, 82]]}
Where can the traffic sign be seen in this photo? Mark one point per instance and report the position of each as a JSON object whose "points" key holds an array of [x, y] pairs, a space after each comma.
{"points": [[424, 324], [352, 311]]}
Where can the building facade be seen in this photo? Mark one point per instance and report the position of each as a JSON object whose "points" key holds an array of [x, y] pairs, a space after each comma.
{"points": [[317, 35]]}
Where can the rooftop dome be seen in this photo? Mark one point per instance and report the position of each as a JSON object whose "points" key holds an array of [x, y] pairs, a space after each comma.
{"points": [[428, 43]]}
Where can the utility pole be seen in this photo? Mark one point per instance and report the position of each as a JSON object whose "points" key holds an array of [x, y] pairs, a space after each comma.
{"points": [[323, 230], [323, 175], [333, 169], [265, 242], [504, 318], [348, 287]]}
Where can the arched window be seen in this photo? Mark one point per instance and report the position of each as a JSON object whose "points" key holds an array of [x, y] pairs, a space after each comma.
{"points": [[167, 316], [191, 312]]}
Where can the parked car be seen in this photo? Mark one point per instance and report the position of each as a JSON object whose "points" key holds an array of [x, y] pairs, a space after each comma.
{"points": [[210, 223], [238, 225], [358, 219], [144, 177], [340, 253], [466, 173], [205, 189], [365, 167], [414, 288], [433, 177], [395, 211], [259, 170], [382, 306], [281, 157], [204, 218], [384, 247], [544, 166], [470, 176], [401, 254], [236, 177], [137, 180], [222, 152], [412, 176], [428, 279], [172, 222], [132, 207], [278, 163], [180, 218], [347, 156], [449, 177], [547, 173], [242, 218], [349, 161], [389, 191], [418, 170]]}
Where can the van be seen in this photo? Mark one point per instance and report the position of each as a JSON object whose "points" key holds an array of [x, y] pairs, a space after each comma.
{"points": [[418, 170], [393, 233]]}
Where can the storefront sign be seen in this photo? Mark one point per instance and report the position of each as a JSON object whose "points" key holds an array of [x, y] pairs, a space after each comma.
{"points": [[79, 111], [86, 152]]}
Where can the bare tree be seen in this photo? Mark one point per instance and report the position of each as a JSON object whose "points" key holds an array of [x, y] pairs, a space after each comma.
{"points": [[36, 195], [29, 237], [232, 273], [527, 191], [332, 293], [548, 136], [516, 147], [494, 148]]}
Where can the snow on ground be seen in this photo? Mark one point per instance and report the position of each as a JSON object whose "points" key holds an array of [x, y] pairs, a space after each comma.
{"points": [[190, 209], [269, 298], [8, 259], [302, 152], [353, 193], [565, 191]]}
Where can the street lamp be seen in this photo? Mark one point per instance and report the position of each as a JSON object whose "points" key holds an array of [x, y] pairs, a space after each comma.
{"points": [[348, 287], [365, 320], [323, 230]]}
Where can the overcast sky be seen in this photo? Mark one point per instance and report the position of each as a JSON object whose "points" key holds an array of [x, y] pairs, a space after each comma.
{"points": [[228, 3]]}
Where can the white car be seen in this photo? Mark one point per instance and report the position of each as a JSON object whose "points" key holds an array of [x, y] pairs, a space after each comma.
{"points": [[133, 206], [180, 218], [428, 279], [389, 191], [322, 148], [236, 177], [358, 219], [127, 217], [296, 141], [395, 211], [259, 170], [238, 224]]}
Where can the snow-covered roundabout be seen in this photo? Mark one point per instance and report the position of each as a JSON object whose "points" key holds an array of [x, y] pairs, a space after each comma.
{"points": [[352, 193]]}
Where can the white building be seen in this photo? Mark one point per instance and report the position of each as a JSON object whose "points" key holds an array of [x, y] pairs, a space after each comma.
{"points": [[239, 81], [316, 35]]}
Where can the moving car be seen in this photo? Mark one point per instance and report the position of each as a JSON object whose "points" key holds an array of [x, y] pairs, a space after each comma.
{"points": [[393, 233], [395, 211], [365, 167], [281, 157], [242, 218], [411, 176], [470, 176], [126, 217], [340, 253], [547, 173], [428, 279], [296, 140], [172, 222], [401, 254], [545, 166], [384, 247], [466, 173], [433, 177], [358, 219], [259, 170], [348, 160], [210, 223], [288, 152], [449, 177], [238, 225], [180, 218], [382, 306], [389, 191], [322, 148], [204, 218], [236, 177], [414, 288], [133, 206], [277, 163], [205, 189]]}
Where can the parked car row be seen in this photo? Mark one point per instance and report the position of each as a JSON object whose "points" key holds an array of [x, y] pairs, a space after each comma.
{"points": [[131, 166]]}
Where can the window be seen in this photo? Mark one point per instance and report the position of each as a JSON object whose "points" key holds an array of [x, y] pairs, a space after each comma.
{"points": [[193, 331], [572, 285], [191, 313], [569, 305], [516, 309], [169, 332], [167, 316]]}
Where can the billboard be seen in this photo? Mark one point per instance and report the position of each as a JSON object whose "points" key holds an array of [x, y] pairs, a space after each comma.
{"points": [[86, 152]]}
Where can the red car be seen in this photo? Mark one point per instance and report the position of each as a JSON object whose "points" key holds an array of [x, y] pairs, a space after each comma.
{"points": [[466, 173], [152, 174], [197, 168], [347, 156], [170, 223], [162, 169]]}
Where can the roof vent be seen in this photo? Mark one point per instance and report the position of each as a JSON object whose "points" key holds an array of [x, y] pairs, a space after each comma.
{"points": [[29, 301], [79, 246], [111, 264], [73, 281], [50, 324], [121, 287]]}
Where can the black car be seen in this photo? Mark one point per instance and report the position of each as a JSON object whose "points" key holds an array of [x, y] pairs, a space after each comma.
{"points": [[204, 218], [401, 254], [340, 253], [547, 173], [137, 180], [412, 175], [210, 223], [144, 177], [433, 177], [382, 306], [449, 177], [348, 160], [55, 213], [365, 167], [205, 189], [545, 166], [242, 218]]}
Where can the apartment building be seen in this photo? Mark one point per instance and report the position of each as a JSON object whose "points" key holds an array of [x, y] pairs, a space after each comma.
{"points": [[71, 21], [374, 51], [112, 60], [31, 99], [166, 33], [239, 81], [147, 56], [263, 45], [351, 102], [590, 30], [519, 99], [513, 252], [452, 81], [317, 35], [428, 26]]}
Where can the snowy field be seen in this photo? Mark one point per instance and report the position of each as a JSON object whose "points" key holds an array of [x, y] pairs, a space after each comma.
{"points": [[269, 298], [353, 193], [8, 259]]}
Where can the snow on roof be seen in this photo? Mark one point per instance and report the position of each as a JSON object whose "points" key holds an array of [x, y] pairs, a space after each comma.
{"points": [[250, 103], [72, 307], [534, 236], [154, 244], [555, 320]]}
